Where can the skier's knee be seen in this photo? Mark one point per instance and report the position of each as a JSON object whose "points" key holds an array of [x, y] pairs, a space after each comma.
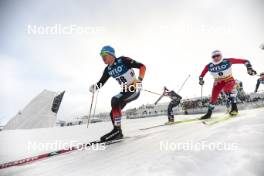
{"points": [[170, 106], [170, 113], [168, 110], [115, 102]]}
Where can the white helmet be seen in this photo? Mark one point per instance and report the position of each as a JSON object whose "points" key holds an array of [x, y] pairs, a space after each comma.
{"points": [[215, 53]]}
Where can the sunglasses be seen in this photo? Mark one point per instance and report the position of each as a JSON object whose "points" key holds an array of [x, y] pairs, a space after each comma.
{"points": [[104, 54], [216, 56]]}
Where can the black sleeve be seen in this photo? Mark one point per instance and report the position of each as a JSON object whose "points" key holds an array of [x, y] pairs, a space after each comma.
{"points": [[175, 95], [131, 63], [103, 79], [257, 86], [178, 96]]}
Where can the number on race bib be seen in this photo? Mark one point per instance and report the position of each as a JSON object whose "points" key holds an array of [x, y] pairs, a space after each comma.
{"points": [[121, 80]]}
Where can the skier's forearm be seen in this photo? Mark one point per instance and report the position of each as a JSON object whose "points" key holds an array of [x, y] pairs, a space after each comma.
{"points": [[240, 61], [179, 97], [134, 64], [102, 80], [100, 83], [141, 67], [205, 70], [142, 71]]}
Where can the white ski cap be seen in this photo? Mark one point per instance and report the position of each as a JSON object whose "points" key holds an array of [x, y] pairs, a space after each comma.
{"points": [[216, 52]]}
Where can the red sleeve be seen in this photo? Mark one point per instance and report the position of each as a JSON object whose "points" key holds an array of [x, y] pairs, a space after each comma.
{"points": [[238, 61], [134, 64], [205, 70], [142, 71]]}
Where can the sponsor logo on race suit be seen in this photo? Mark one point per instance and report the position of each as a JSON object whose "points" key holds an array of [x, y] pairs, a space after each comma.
{"points": [[121, 73], [220, 71]]}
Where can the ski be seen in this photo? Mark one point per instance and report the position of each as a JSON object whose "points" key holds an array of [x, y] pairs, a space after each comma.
{"points": [[172, 123], [211, 121], [55, 153], [218, 119]]}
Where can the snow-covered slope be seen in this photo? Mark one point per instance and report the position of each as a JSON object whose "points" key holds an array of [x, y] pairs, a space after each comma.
{"points": [[37, 114], [233, 147]]}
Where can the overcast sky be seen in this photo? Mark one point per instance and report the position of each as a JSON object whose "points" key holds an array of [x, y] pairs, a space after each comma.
{"points": [[173, 38]]}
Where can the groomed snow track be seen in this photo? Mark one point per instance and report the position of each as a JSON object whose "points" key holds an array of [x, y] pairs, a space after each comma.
{"points": [[146, 155]]}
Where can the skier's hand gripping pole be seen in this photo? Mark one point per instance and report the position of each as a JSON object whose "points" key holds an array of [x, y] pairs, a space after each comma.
{"points": [[250, 70]]}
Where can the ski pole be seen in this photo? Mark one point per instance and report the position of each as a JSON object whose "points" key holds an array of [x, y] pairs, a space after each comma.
{"points": [[151, 92], [161, 95], [201, 91], [159, 99], [90, 111], [183, 83], [95, 103]]}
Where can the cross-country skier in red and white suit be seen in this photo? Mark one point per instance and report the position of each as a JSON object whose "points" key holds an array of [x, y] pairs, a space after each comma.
{"points": [[221, 70]]}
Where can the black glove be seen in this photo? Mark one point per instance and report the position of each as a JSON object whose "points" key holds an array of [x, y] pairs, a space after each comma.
{"points": [[201, 81], [251, 71]]}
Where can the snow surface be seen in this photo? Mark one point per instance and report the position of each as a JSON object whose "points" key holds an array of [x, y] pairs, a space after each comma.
{"points": [[37, 114], [143, 155]]}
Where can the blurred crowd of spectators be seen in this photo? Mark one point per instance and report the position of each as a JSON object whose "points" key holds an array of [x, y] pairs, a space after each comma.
{"points": [[222, 100]]}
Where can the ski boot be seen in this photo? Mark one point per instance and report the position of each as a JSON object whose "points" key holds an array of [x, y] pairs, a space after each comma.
{"points": [[115, 134], [207, 115], [234, 110], [170, 121]]}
